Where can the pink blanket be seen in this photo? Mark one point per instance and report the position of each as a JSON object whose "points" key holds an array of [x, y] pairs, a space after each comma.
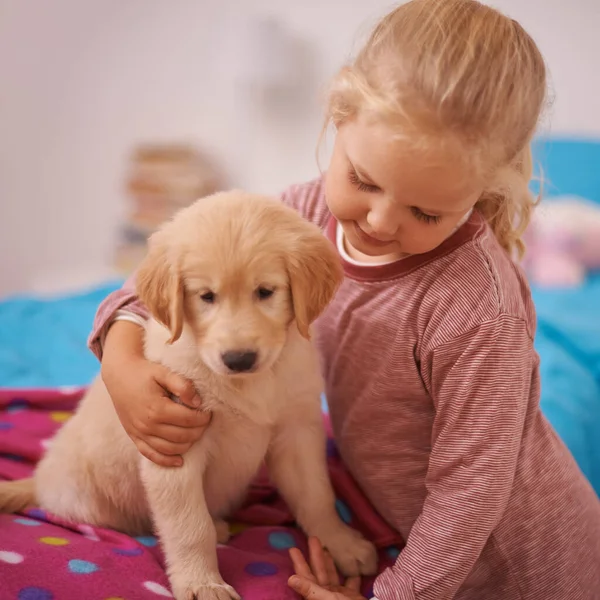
{"points": [[45, 558]]}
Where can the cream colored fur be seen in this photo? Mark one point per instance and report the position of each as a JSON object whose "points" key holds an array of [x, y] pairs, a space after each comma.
{"points": [[232, 245]]}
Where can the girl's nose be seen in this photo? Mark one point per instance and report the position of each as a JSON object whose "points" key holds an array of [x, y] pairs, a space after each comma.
{"points": [[383, 224]]}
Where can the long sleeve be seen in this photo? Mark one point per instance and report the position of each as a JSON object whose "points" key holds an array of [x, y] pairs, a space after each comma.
{"points": [[308, 199], [479, 383]]}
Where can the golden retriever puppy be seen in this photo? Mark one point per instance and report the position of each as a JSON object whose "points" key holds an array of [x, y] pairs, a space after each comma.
{"points": [[233, 283]]}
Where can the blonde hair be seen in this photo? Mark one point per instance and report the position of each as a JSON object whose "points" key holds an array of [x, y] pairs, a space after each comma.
{"points": [[459, 71]]}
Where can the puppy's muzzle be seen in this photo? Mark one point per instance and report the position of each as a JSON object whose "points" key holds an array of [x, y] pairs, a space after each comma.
{"points": [[240, 361]]}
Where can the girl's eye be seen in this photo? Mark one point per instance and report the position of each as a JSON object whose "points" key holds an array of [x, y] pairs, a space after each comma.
{"points": [[264, 293], [360, 184], [421, 216], [208, 297]]}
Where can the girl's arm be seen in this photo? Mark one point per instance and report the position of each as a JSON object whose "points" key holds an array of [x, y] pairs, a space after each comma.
{"points": [[125, 300], [480, 383], [161, 429]]}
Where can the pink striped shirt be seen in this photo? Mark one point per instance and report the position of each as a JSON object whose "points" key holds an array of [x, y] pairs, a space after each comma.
{"points": [[433, 385]]}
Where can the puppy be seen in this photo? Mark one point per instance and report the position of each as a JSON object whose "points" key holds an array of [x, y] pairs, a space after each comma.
{"points": [[233, 283]]}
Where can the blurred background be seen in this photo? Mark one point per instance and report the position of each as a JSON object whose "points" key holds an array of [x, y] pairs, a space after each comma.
{"points": [[115, 112], [86, 83]]}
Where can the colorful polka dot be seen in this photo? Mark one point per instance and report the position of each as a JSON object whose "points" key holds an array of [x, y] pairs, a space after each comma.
{"points": [[15, 457], [68, 389], [261, 569], [157, 589], [27, 522], [128, 551], [5, 426], [45, 444], [37, 513], [35, 593], [235, 528], [11, 558], [147, 540], [54, 541], [16, 405], [281, 540], [343, 511], [60, 416], [89, 533], [82, 567], [324, 405]]}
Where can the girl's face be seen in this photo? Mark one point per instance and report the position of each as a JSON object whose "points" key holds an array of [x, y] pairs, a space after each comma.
{"points": [[392, 202]]}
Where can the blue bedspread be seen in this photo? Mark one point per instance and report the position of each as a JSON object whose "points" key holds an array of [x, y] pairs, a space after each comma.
{"points": [[568, 341], [43, 343]]}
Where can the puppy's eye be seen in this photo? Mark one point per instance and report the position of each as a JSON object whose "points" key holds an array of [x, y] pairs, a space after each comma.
{"points": [[263, 293], [208, 297]]}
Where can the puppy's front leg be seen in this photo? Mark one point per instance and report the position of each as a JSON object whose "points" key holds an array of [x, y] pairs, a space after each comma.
{"points": [[297, 466], [186, 529]]}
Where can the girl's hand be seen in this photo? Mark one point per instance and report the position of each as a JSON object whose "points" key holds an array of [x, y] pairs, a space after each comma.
{"points": [[320, 580], [143, 393]]}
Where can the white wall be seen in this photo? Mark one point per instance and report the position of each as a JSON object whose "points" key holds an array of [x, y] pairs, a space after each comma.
{"points": [[81, 81]]}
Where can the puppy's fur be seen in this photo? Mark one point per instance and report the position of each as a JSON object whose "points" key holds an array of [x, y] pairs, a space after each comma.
{"points": [[233, 273]]}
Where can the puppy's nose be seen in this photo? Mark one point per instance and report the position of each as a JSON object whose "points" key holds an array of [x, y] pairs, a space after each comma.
{"points": [[239, 361]]}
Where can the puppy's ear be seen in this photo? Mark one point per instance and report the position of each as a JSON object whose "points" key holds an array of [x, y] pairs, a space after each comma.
{"points": [[159, 285], [315, 273]]}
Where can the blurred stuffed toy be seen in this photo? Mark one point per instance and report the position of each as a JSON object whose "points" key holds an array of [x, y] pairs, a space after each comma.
{"points": [[563, 242], [161, 179]]}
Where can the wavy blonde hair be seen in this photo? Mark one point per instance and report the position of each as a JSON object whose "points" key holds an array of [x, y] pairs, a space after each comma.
{"points": [[459, 72]]}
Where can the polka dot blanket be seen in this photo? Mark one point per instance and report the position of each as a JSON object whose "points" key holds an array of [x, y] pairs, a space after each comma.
{"points": [[45, 558]]}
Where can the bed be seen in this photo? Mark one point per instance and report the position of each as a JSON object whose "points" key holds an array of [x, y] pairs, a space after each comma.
{"points": [[45, 365]]}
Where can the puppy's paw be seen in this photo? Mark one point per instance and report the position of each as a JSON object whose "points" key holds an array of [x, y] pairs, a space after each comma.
{"points": [[210, 590], [352, 553], [222, 592]]}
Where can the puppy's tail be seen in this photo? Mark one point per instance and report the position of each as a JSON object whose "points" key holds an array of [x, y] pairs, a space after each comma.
{"points": [[16, 496]]}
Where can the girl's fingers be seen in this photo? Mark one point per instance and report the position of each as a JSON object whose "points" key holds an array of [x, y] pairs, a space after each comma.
{"points": [[178, 435], [301, 567], [309, 589], [166, 448], [155, 457], [353, 584], [181, 388], [332, 573], [318, 562], [172, 413]]}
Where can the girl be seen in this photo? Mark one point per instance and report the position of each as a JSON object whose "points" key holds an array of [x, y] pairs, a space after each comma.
{"points": [[431, 373]]}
